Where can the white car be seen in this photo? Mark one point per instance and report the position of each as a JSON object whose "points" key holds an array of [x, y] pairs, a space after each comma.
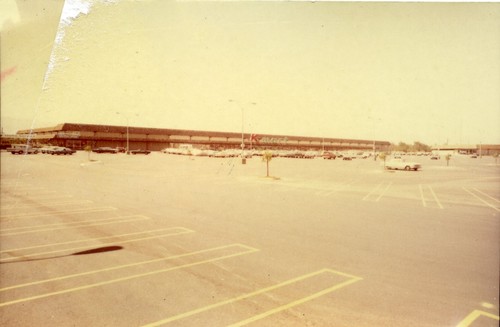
{"points": [[402, 165]]}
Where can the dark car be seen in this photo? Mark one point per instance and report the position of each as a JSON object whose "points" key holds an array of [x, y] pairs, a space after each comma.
{"points": [[104, 150], [140, 152], [347, 158], [62, 151]]}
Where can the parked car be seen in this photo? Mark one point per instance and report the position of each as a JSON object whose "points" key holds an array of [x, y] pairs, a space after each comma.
{"points": [[435, 157], [139, 151], [105, 150], [474, 156], [22, 149], [402, 165], [47, 149], [346, 157], [62, 151], [121, 149], [329, 156]]}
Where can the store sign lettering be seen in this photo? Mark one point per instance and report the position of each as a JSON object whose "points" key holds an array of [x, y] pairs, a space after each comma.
{"points": [[70, 135]]}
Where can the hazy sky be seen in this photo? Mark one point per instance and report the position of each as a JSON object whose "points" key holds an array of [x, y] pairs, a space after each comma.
{"points": [[393, 71]]}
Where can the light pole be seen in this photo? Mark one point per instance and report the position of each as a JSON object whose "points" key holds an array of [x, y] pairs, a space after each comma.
{"points": [[243, 160], [126, 118]]}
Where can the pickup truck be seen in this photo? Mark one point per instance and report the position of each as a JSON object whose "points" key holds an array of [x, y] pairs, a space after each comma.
{"points": [[402, 165], [22, 149]]}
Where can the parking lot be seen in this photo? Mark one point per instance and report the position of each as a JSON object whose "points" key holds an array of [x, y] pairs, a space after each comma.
{"points": [[122, 240]]}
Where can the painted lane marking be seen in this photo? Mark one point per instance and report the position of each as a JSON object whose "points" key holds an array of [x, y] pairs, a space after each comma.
{"points": [[14, 192], [378, 191], [177, 256], [352, 279], [487, 195], [480, 199], [474, 315], [180, 231], [60, 212], [338, 188], [43, 197], [245, 250], [373, 191], [54, 227], [422, 195], [434, 196], [384, 191], [14, 206]]}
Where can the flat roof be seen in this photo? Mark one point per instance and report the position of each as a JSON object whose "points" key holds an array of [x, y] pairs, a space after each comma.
{"points": [[66, 127]]}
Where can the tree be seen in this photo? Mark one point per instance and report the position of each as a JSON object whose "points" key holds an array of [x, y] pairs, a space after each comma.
{"points": [[267, 156]]}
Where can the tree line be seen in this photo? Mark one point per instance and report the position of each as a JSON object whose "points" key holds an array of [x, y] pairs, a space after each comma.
{"points": [[415, 147]]}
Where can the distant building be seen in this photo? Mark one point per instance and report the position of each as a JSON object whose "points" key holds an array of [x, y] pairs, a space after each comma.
{"points": [[480, 149], [78, 136]]}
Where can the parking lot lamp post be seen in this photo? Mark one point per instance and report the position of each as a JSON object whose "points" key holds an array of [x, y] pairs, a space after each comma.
{"points": [[126, 118]]}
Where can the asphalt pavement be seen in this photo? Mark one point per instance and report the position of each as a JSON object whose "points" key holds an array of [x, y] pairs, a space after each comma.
{"points": [[122, 240]]}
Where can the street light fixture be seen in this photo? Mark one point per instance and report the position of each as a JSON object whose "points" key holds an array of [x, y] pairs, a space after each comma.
{"points": [[126, 118], [243, 160]]}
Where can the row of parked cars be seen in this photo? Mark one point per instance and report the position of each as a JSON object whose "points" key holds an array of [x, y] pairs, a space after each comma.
{"points": [[230, 153], [28, 149], [119, 150], [60, 150]]}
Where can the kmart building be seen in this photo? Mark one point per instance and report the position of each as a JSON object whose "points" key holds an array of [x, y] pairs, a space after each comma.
{"points": [[78, 136]]}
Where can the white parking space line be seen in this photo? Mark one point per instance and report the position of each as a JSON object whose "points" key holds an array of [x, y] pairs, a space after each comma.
{"points": [[173, 231], [76, 224], [372, 191], [486, 195], [337, 188], [475, 315], [481, 199], [49, 204], [60, 212], [15, 188], [232, 301], [378, 192], [240, 250], [27, 193], [424, 203], [434, 199], [39, 197]]}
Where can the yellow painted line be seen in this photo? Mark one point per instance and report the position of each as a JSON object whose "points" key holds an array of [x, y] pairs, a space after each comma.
{"points": [[87, 223], [246, 250], [120, 267], [14, 206], [384, 191], [480, 199], [422, 195], [435, 197], [63, 212], [373, 191], [180, 232], [33, 197], [16, 192], [487, 195], [474, 315], [265, 290], [23, 189]]}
